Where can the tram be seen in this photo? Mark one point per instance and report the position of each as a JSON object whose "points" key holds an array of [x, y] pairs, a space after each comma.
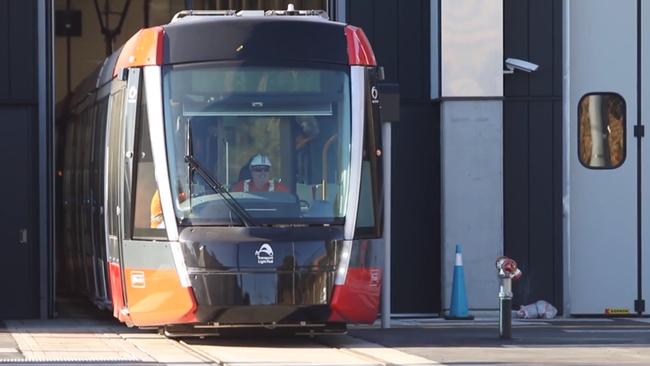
{"points": [[161, 151]]}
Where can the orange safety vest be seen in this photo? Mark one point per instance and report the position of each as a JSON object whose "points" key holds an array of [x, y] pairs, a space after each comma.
{"points": [[157, 221], [248, 181]]}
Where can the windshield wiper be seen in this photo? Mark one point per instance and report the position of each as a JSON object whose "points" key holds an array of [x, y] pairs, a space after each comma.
{"points": [[221, 190]]}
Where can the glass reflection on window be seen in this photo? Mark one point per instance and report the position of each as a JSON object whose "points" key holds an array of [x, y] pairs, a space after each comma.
{"points": [[601, 130], [278, 139]]}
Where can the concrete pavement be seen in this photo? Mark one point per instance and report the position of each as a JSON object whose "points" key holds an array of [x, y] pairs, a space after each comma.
{"points": [[72, 341], [561, 341], [99, 342], [410, 342]]}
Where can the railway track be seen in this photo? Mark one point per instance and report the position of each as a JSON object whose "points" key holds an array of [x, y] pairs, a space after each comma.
{"points": [[315, 351]]}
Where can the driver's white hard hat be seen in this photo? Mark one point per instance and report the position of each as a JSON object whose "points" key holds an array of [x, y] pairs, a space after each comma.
{"points": [[260, 159]]}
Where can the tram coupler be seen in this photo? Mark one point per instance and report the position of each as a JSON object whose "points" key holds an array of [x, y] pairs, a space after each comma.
{"points": [[506, 271]]}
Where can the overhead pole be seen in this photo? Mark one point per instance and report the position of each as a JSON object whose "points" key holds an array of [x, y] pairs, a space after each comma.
{"points": [[110, 34], [146, 11], [67, 53]]}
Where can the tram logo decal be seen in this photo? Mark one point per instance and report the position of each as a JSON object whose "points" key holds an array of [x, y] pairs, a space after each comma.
{"points": [[264, 254]]}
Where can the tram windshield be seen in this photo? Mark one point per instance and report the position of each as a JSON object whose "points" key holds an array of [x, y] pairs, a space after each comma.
{"points": [[277, 139]]}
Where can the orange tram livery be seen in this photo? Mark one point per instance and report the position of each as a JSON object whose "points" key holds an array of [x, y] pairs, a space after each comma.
{"points": [[161, 149]]}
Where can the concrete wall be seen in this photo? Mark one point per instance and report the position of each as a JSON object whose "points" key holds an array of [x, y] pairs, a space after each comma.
{"points": [[471, 79], [472, 196], [472, 48]]}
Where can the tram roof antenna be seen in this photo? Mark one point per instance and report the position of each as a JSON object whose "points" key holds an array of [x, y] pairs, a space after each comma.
{"points": [[291, 10], [192, 13]]}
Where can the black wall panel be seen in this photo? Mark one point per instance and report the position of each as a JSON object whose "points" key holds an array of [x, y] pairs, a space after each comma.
{"points": [[399, 33], [533, 31], [18, 46], [540, 47], [532, 207], [4, 50], [19, 108], [516, 182], [533, 149], [22, 46], [515, 44], [386, 37], [19, 270], [557, 49], [416, 275], [361, 14], [414, 49], [541, 250]]}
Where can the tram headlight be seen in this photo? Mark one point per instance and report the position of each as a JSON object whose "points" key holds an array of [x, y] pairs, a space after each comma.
{"points": [[344, 263]]}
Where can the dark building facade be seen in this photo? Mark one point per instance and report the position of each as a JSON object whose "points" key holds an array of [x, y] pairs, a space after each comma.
{"points": [[407, 40], [25, 143], [532, 147], [406, 36]]}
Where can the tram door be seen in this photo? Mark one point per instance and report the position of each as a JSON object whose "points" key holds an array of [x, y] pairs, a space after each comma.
{"points": [[603, 242], [113, 214], [118, 181]]}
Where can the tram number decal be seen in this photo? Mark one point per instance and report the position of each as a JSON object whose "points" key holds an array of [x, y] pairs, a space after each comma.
{"points": [[137, 279], [133, 94], [374, 93], [374, 277]]}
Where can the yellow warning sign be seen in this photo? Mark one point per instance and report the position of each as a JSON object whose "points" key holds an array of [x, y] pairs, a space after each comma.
{"points": [[617, 311]]}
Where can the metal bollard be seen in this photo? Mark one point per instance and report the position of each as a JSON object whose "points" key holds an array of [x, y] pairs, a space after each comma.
{"points": [[507, 271]]}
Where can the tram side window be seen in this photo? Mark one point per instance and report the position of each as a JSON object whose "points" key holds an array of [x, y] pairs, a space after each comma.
{"points": [[147, 215], [369, 223], [601, 130]]}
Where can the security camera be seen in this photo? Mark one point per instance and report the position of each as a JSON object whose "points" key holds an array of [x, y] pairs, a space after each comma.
{"points": [[516, 64]]}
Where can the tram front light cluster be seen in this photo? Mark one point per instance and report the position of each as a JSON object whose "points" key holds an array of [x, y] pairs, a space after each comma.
{"points": [[179, 262], [344, 263]]}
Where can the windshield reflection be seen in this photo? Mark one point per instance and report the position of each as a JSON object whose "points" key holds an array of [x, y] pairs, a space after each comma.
{"points": [[277, 139]]}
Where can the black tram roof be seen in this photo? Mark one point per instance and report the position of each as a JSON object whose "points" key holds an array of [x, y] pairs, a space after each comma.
{"points": [[255, 38]]}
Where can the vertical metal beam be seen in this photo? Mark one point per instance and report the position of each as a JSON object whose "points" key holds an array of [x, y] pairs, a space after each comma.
{"points": [[385, 288], [639, 303], [340, 10], [566, 155], [434, 42], [45, 158]]}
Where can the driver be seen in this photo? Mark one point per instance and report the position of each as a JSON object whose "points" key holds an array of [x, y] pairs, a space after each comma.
{"points": [[260, 169]]}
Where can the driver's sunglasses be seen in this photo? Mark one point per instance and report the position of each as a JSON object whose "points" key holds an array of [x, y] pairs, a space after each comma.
{"points": [[260, 169]]}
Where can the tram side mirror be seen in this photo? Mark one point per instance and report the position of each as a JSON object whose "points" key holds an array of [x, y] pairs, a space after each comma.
{"points": [[389, 96], [381, 74]]}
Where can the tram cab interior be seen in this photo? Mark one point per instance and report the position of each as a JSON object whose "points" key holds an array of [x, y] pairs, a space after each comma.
{"points": [[222, 116]]}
